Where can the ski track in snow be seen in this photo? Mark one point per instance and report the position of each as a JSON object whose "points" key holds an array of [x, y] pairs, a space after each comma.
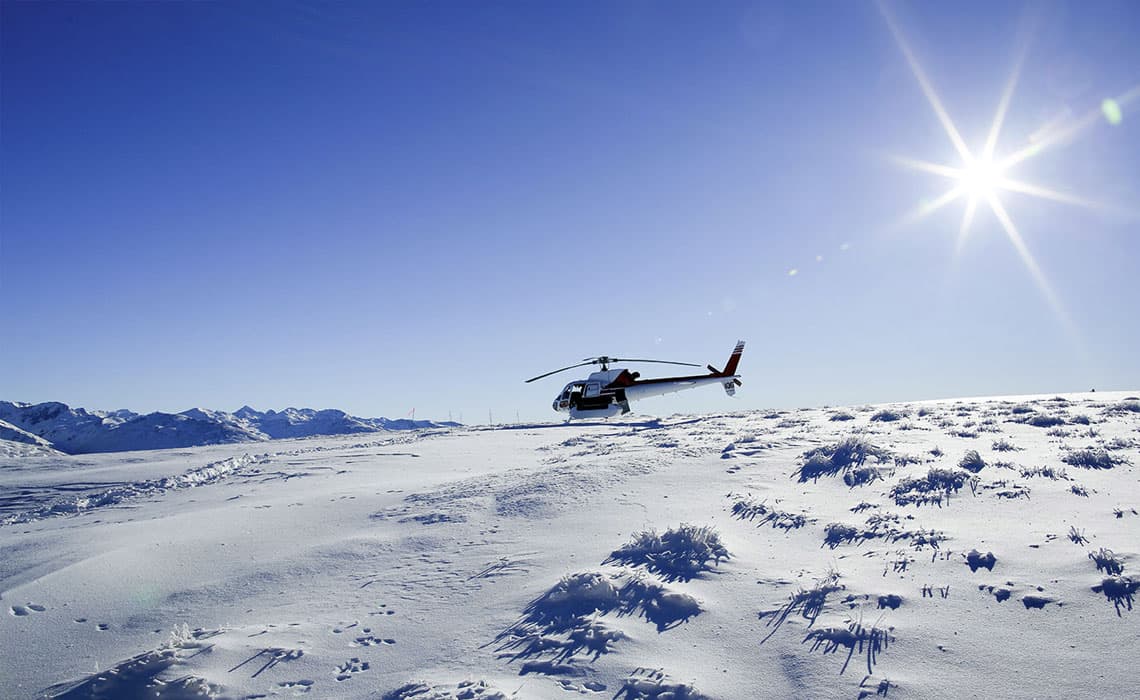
{"points": [[968, 548]]}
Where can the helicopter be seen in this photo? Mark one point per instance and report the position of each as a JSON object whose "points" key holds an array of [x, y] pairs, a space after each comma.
{"points": [[607, 392]]}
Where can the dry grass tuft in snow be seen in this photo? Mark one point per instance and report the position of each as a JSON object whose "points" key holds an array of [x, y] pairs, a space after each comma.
{"points": [[1107, 561], [1092, 458], [936, 486], [678, 554], [464, 690], [747, 508], [972, 462], [808, 602], [840, 458], [653, 684], [888, 416]]}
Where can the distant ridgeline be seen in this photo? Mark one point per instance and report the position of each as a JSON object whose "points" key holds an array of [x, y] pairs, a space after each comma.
{"points": [[77, 430]]}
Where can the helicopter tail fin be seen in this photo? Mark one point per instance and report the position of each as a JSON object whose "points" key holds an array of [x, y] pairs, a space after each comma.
{"points": [[734, 359]]}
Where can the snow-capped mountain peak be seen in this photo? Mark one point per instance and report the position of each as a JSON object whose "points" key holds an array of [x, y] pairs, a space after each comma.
{"points": [[77, 430]]}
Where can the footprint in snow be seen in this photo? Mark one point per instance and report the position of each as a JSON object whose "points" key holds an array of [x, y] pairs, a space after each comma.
{"points": [[350, 668], [302, 686], [371, 641]]}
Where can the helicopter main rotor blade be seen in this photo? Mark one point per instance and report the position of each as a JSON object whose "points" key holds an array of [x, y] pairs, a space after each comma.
{"points": [[662, 362], [580, 364]]}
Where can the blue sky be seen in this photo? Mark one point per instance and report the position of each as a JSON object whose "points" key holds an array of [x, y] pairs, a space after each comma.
{"points": [[387, 206]]}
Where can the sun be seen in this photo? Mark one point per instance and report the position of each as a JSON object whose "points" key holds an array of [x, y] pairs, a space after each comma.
{"points": [[981, 178]]}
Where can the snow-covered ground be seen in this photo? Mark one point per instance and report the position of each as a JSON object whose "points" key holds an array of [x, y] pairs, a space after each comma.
{"points": [[823, 553]]}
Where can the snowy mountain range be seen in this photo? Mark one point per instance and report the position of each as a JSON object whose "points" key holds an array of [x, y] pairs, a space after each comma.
{"points": [[57, 426]]}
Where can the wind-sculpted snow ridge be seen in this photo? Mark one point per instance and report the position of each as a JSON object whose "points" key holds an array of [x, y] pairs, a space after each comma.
{"points": [[74, 505]]}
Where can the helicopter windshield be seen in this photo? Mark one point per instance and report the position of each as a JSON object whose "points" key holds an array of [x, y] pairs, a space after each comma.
{"points": [[571, 388]]}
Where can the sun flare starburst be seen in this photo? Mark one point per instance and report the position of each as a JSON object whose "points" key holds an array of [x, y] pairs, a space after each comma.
{"points": [[981, 178]]}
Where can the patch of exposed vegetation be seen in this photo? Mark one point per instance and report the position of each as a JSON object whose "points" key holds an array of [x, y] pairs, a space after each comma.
{"points": [[1077, 536], [938, 485], [680, 553], [1129, 405], [887, 416], [748, 509], [832, 460], [653, 684], [1119, 443], [1047, 472], [885, 526], [836, 534], [903, 460], [1107, 561], [972, 462], [1042, 420], [1003, 445], [1092, 458], [809, 602], [841, 416]]}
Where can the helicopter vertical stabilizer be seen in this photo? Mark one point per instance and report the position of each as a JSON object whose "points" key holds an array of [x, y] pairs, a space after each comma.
{"points": [[733, 360]]}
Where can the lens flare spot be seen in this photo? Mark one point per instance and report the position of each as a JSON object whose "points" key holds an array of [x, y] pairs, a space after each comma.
{"points": [[793, 272], [1112, 111]]}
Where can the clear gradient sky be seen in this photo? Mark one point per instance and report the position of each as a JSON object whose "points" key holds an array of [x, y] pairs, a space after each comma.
{"points": [[377, 206]]}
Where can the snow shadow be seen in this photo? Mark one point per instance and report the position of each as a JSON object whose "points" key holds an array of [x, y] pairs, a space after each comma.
{"points": [[146, 675], [1119, 590], [808, 602], [869, 642], [564, 625]]}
